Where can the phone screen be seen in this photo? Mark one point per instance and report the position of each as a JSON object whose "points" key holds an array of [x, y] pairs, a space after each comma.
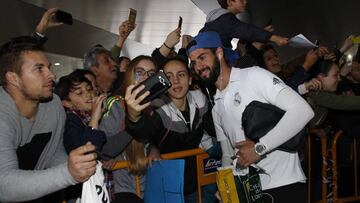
{"points": [[180, 22], [132, 16]]}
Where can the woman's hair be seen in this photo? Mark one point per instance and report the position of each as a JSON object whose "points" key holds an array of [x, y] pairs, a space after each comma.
{"points": [[67, 83], [129, 76], [323, 67], [176, 58], [135, 152]]}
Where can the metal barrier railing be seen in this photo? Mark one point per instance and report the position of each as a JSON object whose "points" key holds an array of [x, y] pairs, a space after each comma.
{"points": [[200, 155], [332, 153], [334, 145]]}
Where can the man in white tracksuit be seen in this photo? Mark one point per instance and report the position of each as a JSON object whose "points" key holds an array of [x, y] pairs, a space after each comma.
{"points": [[236, 88]]}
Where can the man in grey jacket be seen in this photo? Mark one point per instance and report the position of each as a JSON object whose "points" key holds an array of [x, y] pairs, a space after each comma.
{"points": [[32, 123]]}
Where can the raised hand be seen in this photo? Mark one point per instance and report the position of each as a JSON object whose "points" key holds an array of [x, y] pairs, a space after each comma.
{"points": [[280, 41], [186, 39], [269, 28], [347, 44], [125, 28], [97, 110], [47, 21], [313, 84], [310, 59], [173, 38]]}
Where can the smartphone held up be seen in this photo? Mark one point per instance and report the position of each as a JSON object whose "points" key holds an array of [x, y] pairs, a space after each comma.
{"points": [[157, 84], [132, 16], [180, 22], [63, 17]]}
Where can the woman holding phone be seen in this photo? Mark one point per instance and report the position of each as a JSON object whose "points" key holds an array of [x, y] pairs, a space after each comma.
{"points": [[113, 122]]}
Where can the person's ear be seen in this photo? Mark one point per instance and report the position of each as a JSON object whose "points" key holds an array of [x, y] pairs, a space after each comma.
{"points": [[67, 104], [13, 79], [219, 53]]}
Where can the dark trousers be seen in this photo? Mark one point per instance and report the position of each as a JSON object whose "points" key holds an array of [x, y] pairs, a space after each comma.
{"points": [[294, 193], [127, 197]]}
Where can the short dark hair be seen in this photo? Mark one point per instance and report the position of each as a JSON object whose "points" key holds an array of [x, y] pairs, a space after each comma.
{"points": [[83, 72], [260, 57], [178, 59], [67, 83], [10, 54], [123, 58], [223, 3]]}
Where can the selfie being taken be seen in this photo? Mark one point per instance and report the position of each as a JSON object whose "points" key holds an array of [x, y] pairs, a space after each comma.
{"points": [[181, 101]]}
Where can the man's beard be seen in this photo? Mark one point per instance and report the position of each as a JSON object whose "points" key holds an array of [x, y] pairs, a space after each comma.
{"points": [[214, 74], [38, 97]]}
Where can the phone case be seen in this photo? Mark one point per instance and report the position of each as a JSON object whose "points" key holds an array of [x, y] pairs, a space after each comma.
{"points": [[61, 16], [132, 16], [180, 22], [156, 85]]}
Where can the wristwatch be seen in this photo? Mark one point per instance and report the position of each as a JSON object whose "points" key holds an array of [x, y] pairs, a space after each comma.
{"points": [[260, 149]]}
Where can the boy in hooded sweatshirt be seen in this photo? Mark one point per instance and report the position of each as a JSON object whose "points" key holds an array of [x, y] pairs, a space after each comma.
{"points": [[224, 21]]}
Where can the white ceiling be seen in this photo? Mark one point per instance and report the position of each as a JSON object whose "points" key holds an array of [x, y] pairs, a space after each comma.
{"points": [[96, 21], [155, 18]]}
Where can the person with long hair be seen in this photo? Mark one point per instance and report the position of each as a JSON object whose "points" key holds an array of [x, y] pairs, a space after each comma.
{"points": [[113, 122]]}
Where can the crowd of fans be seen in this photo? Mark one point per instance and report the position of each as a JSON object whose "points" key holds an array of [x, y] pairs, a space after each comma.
{"points": [[53, 134]]}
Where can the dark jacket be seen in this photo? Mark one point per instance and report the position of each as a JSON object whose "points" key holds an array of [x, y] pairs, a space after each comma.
{"points": [[229, 27], [77, 134]]}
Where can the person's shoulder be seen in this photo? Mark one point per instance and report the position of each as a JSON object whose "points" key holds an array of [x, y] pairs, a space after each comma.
{"points": [[216, 14], [54, 101], [259, 72], [8, 110], [198, 96], [243, 72]]}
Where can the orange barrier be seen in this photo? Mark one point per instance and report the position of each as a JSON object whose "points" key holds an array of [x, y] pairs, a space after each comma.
{"points": [[319, 132], [203, 179], [356, 196], [325, 154]]}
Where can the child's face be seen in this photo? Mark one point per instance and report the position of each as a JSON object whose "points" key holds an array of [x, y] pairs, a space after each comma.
{"points": [[81, 97], [238, 5]]}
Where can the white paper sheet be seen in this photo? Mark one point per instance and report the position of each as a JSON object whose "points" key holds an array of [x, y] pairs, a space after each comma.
{"points": [[300, 41]]}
